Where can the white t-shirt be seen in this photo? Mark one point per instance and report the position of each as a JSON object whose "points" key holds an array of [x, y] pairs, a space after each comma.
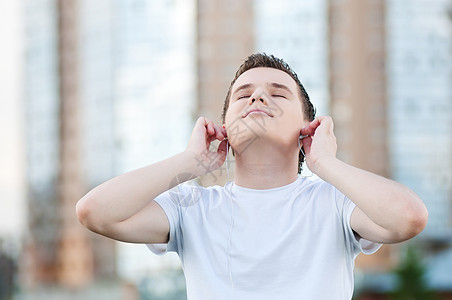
{"points": [[290, 242]]}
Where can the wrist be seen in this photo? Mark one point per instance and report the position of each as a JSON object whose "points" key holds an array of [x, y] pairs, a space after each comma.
{"points": [[324, 166], [193, 163]]}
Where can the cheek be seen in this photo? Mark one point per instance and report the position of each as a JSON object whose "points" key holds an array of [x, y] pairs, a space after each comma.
{"points": [[227, 118], [233, 113], [232, 124], [291, 124]]}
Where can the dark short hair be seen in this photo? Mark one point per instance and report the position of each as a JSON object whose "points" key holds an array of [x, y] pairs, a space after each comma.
{"points": [[259, 60]]}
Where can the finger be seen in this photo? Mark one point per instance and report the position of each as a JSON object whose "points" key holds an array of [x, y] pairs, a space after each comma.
{"points": [[210, 138], [323, 121], [310, 128], [214, 134], [223, 147], [207, 128], [326, 125], [218, 132], [210, 127], [200, 122], [307, 145], [220, 156], [202, 125]]}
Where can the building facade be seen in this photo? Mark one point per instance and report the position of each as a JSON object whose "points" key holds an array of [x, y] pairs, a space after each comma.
{"points": [[102, 78], [58, 250], [419, 56]]}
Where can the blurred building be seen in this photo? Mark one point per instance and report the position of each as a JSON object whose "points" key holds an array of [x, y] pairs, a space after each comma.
{"points": [[110, 88], [58, 250], [154, 81], [297, 31], [154, 101], [42, 138], [357, 82], [419, 70]]}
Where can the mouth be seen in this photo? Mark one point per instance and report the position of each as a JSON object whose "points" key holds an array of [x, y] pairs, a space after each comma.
{"points": [[256, 111]]}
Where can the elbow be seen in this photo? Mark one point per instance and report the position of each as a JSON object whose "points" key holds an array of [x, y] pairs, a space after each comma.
{"points": [[82, 212], [420, 219], [85, 211], [416, 218]]}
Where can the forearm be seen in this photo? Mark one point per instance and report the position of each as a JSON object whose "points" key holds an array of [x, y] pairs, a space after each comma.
{"points": [[123, 196], [387, 203]]}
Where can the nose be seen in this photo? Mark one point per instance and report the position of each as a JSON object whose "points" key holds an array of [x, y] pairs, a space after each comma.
{"points": [[258, 95]]}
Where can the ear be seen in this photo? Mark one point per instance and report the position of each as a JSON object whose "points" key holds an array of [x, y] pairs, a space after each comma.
{"points": [[305, 123]]}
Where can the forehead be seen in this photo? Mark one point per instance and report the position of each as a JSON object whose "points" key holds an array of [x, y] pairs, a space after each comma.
{"points": [[263, 76]]}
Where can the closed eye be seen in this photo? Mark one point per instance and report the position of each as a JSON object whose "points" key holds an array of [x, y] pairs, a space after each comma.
{"points": [[279, 96], [243, 97]]}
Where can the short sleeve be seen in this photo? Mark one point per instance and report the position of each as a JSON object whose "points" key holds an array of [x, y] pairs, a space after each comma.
{"points": [[174, 203], [357, 244], [172, 211]]}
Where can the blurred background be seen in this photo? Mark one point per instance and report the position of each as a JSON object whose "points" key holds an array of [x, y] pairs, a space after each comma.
{"points": [[92, 89]]}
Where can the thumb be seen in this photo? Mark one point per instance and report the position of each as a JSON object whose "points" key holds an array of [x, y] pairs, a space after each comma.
{"points": [[218, 158], [306, 142], [223, 149]]}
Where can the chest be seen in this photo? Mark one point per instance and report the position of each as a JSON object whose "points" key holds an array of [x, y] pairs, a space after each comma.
{"points": [[256, 231], [272, 244]]}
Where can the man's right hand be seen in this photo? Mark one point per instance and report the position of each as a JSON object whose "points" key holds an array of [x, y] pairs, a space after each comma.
{"points": [[204, 133]]}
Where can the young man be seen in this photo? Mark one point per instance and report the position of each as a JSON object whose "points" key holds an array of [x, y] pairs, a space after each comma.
{"points": [[270, 234]]}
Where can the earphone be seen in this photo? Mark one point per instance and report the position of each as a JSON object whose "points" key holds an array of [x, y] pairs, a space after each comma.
{"points": [[302, 136], [227, 158], [232, 219]]}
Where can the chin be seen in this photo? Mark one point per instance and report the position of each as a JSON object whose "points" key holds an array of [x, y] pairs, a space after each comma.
{"points": [[241, 139], [260, 139]]}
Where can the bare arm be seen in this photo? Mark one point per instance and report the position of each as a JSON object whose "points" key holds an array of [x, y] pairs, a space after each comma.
{"points": [[123, 208], [386, 212]]}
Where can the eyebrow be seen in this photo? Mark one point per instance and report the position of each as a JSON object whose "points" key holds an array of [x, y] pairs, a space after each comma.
{"points": [[281, 86], [243, 87]]}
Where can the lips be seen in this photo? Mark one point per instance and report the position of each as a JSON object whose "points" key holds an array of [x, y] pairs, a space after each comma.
{"points": [[257, 110]]}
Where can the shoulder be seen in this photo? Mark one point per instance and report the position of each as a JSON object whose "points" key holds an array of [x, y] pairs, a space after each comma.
{"points": [[191, 193], [315, 186], [321, 193]]}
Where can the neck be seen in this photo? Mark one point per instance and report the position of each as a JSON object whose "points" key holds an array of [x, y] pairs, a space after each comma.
{"points": [[265, 167]]}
